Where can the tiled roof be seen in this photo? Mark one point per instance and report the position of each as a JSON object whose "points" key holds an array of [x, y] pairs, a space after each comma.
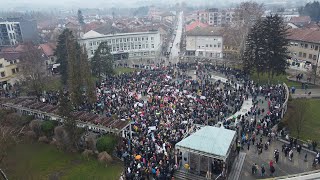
{"points": [[48, 48], [10, 55], [305, 34], [195, 24], [206, 31], [300, 19]]}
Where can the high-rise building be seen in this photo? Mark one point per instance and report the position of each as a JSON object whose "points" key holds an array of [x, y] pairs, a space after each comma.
{"points": [[17, 30]]}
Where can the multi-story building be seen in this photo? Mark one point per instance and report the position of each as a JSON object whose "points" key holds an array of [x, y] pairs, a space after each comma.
{"points": [[8, 69], [304, 45], [216, 17], [125, 45], [17, 30], [205, 42]]}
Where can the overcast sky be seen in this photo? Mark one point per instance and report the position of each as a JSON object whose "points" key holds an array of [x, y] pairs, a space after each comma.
{"points": [[35, 4]]}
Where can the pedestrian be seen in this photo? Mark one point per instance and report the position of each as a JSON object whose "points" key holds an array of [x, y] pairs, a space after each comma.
{"points": [[270, 163], [272, 170], [248, 143], [299, 148], [290, 155], [254, 168], [262, 170]]}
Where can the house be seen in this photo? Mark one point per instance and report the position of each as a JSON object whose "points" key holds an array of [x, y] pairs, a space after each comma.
{"points": [[304, 45], [205, 42], [9, 68], [47, 50], [300, 21]]}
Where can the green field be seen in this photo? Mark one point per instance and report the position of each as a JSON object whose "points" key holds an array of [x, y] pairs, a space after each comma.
{"points": [[311, 126], [120, 70], [276, 79], [41, 161]]}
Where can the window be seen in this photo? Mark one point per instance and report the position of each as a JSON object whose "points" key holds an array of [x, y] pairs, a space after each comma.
{"points": [[140, 46], [210, 45], [13, 71], [310, 56], [314, 57], [135, 39], [147, 45], [139, 39], [305, 45], [152, 38], [304, 55], [207, 45], [295, 44], [3, 74], [301, 44], [214, 45], [152, 45], [1, 65], [316, 48], [91, 52], [90, 43], [300, 54], [312, 46]]}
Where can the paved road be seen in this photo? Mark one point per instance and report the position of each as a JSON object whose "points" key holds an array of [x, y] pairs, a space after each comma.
{"points": [[283, 168], [176, 49]]}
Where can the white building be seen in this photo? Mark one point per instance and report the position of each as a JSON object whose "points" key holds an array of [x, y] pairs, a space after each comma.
{"points": [[216, 17], [132, 45], [205, 42]]}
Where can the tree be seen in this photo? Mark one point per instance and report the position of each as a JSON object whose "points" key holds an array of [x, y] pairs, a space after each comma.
{"points": [[80, 17], [102, 61], [236, 32], [106, 143], [266, 47], [33, 68], [62, 54], [311, 9], [298, 117]]}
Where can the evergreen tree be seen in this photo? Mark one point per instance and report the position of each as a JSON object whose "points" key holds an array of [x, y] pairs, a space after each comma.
{"points": [[102, 61], [62, 54], [266, 47], [74, 72], [311, 9], [80, 17]]}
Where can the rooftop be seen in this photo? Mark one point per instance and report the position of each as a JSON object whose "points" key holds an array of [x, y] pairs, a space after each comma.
{"points": [[209, 140], [205, 31], [305, 34], [195, 24]]}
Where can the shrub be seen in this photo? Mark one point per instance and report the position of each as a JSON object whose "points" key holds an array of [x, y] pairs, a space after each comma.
{"points": [[47, 127], [106, 143]]}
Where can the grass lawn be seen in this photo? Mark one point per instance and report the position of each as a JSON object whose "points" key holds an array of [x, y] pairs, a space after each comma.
{"points": [[120, 70], [311, 126], [41, 161], [277, 79]]}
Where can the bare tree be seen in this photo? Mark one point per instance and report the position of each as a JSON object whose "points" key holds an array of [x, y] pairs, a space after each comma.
{"points": [[235, 34], [33, 69]]}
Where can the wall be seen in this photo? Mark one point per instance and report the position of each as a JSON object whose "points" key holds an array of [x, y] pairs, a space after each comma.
{"points": [[9, 77], [295, 47], [205, 45]]}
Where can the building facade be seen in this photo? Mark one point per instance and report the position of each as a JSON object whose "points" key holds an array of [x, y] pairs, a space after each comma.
{"points": [[133, 45], [304, 45], [204, 42], [216, 17], [16, 30], [8, 71]]}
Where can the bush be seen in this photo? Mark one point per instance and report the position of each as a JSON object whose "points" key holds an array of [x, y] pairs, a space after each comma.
{"points": [[47, 127], [106, 143]]}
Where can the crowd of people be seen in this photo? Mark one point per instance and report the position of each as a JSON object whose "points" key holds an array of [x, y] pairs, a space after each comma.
{"points": [[165, 104]]}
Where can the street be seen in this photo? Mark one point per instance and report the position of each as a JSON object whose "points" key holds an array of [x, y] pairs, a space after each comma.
{"points": [[174, 55]]}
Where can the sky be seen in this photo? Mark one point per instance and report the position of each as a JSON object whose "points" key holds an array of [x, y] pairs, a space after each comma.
{"points": [[34, 4]]}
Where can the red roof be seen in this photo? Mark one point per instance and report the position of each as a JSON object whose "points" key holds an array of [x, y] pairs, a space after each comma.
{"points": [[48, 49], [300, 19], [305, 34], [196, 24]]}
